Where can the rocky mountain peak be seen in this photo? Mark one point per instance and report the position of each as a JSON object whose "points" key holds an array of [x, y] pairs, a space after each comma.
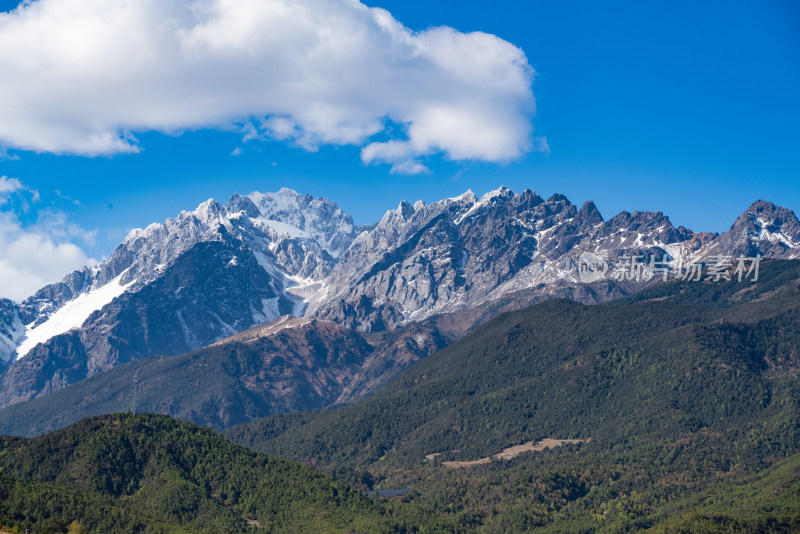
{"points": [[319, 218], [467, 197], [498, 195], [589, 214], [763, 228], [219, 269], [406, 210], [210, 211], [767, 216], [288, 235], [558, 198], [238, 203]]}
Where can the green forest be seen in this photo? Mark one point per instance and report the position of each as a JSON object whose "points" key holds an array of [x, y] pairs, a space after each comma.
{"points": [[688, 391], [150, 473]]}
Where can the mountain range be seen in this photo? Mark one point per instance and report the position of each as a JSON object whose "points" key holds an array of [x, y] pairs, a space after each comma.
{"points": [[210, 274]]}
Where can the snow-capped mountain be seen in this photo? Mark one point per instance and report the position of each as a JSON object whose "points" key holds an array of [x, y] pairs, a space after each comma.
{"points": [[288, 240], [221, 269], [316, 218], [461, 252]]}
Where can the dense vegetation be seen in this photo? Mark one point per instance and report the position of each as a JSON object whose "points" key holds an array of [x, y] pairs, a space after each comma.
{"points": [[150, 473], [689, 391]]}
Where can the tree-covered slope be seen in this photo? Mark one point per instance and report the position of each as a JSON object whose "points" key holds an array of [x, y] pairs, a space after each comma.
{"points": [[150, 473], [682, 387], [767, 501]]}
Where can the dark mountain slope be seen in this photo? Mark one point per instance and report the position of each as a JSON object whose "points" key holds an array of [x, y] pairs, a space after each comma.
{"points": [[290, 366], [211, 387], [768, 501], [211, 287], [313, 364]]}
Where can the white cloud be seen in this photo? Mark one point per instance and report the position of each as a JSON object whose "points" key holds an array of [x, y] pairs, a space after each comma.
{"points": [[409, 166], [8, 185], [5, 155], [12, 189], [40, 254], [87, 74], [56, 225]]}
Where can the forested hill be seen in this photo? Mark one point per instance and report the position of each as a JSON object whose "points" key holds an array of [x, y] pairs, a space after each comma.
{"points": [[150, 473], [682, 387], [680, 356]]}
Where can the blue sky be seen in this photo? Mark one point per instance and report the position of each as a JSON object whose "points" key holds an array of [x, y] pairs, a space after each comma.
{"points": [[691, 108]]}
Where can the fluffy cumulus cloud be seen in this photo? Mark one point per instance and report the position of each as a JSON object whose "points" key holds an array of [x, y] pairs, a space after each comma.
{"points": [[39, 254], [89, 74]]}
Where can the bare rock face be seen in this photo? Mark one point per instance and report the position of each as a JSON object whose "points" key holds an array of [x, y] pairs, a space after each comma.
{"points": [[763, 228], [462, 252], [220, 269], [11, 330]]}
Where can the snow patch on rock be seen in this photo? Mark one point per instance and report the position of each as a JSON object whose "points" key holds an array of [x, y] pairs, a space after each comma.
{"points": [[72, 314]]}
